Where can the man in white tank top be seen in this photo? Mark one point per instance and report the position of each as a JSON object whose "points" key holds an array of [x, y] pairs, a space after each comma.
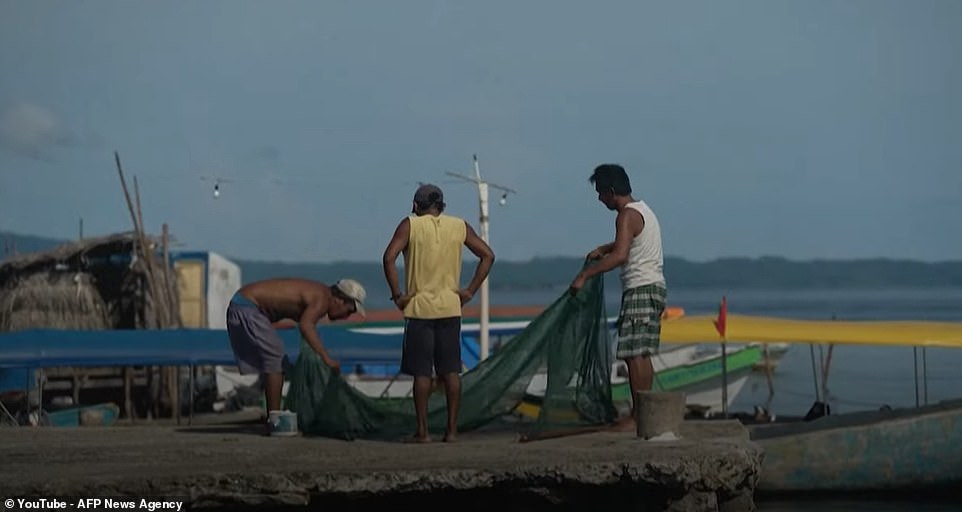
{"points": [[637, 250]]}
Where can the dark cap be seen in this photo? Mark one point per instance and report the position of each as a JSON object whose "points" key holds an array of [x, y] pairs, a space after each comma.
{"points": [[428, 195]]}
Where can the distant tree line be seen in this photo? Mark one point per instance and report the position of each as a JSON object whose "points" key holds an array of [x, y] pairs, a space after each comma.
{"points": [[554, 272], [766, 272]]}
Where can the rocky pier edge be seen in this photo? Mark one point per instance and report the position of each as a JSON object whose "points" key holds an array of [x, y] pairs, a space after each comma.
{"points": [[712, 467]]}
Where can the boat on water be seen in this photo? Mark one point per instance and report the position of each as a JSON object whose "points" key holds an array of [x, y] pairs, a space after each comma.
{"points": [[916, 449], [909, 449], [689, 367], [696, 370], [692, 369]]}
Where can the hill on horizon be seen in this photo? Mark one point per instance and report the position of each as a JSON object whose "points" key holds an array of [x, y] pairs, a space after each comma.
{"points": [[771, 272]]}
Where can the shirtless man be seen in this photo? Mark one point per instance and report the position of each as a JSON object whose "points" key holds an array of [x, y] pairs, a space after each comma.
{"points": [[258, 308]]}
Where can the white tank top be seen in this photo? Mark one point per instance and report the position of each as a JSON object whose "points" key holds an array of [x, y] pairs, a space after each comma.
{"points": [[645, 260]]}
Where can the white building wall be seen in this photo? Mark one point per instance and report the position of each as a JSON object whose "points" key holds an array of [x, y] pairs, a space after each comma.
{"points": [[223, 279]]}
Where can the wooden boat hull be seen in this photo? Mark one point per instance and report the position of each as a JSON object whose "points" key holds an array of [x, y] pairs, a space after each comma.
{"points": [[700, 379], [892, 450]]}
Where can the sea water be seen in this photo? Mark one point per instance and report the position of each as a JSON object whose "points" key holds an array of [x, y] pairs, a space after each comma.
{"points": [[859, 377]]}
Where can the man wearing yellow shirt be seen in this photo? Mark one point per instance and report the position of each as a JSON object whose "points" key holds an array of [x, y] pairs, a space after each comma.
{"points": [[432, 243]]}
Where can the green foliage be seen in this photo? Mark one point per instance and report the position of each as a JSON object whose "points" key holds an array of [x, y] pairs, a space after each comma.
{"points": [[556, 272]]}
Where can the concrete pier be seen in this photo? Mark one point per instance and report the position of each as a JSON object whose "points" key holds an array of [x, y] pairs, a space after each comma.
{"points": [[712, 468]]}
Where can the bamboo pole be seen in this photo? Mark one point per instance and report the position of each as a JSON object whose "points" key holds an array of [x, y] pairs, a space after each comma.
{"points": [[770, 378], [156, 392], [138, 241], [161, 310], [162, 315], [171, 374], [123, 184], [826, 364], [128, 402], [168, 282], [138, 232], [768, 370], [160, 291]]}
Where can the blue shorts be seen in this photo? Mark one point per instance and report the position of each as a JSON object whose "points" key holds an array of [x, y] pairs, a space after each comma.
{"points": [[257, 346]]}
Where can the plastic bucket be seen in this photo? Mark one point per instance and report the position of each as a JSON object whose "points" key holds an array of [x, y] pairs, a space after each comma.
{"points": [[283, 423]]}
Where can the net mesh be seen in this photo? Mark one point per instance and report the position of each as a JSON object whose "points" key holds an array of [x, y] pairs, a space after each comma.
{"points": [[567, 346]]}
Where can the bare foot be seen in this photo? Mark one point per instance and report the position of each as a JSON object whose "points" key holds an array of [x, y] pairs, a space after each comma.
{"points": [[450, 437], [626, 424], [418, 439]]}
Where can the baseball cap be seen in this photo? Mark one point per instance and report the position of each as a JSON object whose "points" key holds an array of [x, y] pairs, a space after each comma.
{"points": [[353, 289], [428, 194]]}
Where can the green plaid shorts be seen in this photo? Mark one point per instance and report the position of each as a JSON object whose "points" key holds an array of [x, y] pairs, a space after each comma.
{"points": [[639, 324]]}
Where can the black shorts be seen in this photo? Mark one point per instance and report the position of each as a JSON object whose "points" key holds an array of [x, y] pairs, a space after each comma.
{"points": [[431, 344]]}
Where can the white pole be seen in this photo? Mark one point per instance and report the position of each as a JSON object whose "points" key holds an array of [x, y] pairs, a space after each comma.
{"points": [[485, 304], [483, 203]]}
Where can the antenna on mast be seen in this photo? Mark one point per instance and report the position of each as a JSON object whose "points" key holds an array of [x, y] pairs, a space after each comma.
{"points": [[483, 187]]}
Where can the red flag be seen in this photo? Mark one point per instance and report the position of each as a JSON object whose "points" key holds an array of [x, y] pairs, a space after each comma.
{"points": [[722, 317]]}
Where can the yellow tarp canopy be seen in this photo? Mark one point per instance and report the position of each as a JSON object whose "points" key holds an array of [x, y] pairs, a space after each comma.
{"points": [[745, 329]]}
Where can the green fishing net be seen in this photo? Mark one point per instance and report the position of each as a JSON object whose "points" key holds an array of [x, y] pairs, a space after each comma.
{"points": [[568, 343]]}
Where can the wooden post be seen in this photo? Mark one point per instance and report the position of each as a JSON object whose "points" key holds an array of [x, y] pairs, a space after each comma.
{"points": [[139, 233], [161, 293], [190, 401], [128, 402], [826, 364], [76, 389], [123, 185], [148, 255], [172, 320], [770, 377], [154, 382], [177, 391]]}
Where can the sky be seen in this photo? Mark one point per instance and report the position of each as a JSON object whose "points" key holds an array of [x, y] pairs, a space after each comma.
{"points": [[805, 129]]}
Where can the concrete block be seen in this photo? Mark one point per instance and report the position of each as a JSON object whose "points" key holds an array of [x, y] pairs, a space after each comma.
{"points": [[659, 413]]}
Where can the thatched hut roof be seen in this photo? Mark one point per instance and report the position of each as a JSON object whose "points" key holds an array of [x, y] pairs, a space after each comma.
{"points": [[95, 283], [69, 253]]}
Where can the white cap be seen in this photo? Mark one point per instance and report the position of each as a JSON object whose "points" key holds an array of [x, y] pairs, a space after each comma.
{"points": [[353, 289]]}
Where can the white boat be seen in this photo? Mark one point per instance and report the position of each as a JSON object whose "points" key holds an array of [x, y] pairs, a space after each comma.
{"points": [[692, 369], [402, 386]]}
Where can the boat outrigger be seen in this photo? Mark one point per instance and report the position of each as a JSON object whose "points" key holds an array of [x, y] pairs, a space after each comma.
{"points": [[913, 449]]}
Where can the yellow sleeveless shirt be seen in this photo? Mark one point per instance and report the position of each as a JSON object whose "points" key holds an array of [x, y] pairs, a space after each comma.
{"points": [[432, 266]]}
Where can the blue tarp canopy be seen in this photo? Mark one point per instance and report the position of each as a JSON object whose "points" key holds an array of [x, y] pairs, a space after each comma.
{"points": [[46, 348]]}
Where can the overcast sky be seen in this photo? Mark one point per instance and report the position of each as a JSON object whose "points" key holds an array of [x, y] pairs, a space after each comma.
{"points": [[805, 129]]}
